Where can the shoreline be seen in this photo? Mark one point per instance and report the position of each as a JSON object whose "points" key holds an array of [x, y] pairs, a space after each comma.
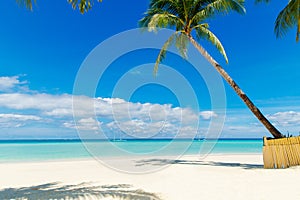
{"points": [[229, 176], [89, 158], [117, 140]]}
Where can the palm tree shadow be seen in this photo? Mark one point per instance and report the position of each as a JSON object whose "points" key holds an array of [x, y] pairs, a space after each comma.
{"points": [[158, 162], [79, 191]]}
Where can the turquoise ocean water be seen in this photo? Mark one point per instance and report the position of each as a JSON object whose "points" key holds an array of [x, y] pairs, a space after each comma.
{"points": [[43, 150]]}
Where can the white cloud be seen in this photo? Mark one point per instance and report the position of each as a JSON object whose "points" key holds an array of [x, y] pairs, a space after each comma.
{"points": [[135, 72], [143, 119], [7, 83], [121, 110], [43, 102], [19, 117], [135, 119], [16, 120], [139, 119], [141, 129], [86, 124], [59, 112], [111, 108], [207, 115], [287, 118]]}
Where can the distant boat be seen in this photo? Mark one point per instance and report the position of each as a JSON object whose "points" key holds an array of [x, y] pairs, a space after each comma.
{"points": [[197, 137], [118, 139]]}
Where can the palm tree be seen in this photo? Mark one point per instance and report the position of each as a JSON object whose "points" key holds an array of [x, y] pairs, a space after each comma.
{"points": [[287, 18], [83, 5], [188, 17]]}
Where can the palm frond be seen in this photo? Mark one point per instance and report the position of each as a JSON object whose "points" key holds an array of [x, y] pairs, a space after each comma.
{"points": [[83, 5], [209, 8], [287, 18], [167, 5], [27, 3], [203, 14], [161, 19], [163, 51], [186, 16], [182, 42], [262, 1], [203, 32]]}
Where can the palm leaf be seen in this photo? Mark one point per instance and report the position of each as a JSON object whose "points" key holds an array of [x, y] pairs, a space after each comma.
{"points": [[163, 20], [209, 8], [229, 5], [186, 16], [158, 18], [203, 32], [182, 44], [83, 5], [262, 1], [170, 5], [26, 3], [163, 51], [287, 18]]}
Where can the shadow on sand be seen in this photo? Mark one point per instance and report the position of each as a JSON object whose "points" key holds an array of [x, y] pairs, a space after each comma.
{"points": [[158, 162], [80, 191]]}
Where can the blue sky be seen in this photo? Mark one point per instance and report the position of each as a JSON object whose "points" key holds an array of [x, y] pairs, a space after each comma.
{"points": [[42, 51]]}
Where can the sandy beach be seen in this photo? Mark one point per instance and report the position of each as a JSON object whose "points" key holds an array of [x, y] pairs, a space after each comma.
{"points": [[214, 177]]}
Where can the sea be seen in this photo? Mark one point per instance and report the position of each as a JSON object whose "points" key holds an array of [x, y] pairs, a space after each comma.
{"points": [[46, 150]]}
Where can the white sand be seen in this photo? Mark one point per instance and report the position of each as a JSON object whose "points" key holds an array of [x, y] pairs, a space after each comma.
{"points": [[215, 177]]}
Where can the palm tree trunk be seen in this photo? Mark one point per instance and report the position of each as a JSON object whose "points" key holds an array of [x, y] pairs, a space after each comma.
{"points": [[237, 89]]}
